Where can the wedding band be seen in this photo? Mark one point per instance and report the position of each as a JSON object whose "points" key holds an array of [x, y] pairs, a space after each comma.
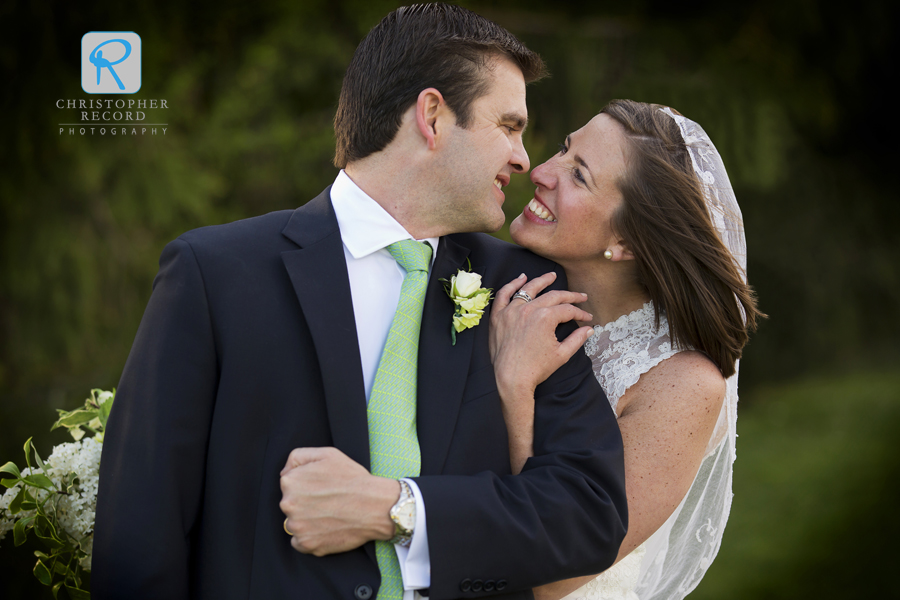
{"points": [[522, 295], [286, 530]]}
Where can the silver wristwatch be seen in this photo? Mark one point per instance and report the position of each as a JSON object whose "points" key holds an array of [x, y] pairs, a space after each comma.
{"points": [[403, 514]]}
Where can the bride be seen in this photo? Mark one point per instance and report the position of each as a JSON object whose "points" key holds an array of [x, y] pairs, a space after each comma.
{"points": [[638, 210]]}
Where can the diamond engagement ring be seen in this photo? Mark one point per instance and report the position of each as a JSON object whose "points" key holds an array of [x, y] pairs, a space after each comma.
{"points": [[522, 295]]}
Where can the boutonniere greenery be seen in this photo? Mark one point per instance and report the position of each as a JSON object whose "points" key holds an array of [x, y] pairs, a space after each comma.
{"points": [[469, 300]]}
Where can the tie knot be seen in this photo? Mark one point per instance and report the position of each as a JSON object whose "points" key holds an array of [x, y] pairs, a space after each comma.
{"points": [[411, 255]]}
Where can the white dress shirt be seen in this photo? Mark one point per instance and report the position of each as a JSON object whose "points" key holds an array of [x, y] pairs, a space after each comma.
{"points": [[375, 280]]}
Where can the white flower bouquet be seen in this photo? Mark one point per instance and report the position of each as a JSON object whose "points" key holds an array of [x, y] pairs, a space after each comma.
{"points": [[56, 499]]}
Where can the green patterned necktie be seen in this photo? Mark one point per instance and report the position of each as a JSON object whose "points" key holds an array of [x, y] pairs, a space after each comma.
{"points": [[393, 443]]}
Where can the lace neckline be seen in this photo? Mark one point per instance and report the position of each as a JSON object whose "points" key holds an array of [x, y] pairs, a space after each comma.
{"points": [[625, 349], [631, 318]]}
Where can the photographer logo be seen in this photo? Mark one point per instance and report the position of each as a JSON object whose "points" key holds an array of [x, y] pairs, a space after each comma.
{"points": [[111, 62]]}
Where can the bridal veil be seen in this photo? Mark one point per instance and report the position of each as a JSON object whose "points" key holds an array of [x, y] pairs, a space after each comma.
{"points": [[680, 552]]}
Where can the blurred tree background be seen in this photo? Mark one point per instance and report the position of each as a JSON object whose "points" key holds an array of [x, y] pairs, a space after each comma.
{"points": [[788, 90]]}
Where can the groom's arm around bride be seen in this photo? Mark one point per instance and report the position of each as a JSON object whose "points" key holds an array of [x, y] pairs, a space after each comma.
{"points": [[257, 341]]}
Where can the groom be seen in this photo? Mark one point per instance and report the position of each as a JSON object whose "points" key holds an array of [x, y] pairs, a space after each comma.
{"points": [[244, 400]]}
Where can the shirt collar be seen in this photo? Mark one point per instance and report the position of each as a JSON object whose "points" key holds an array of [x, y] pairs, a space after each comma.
{"points": [[365, 226]]}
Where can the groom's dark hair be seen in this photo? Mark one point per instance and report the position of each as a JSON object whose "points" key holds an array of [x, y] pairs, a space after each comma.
{"points": [[413, 48]]}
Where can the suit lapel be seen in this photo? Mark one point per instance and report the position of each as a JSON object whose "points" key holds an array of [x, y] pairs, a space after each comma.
{"points": [[442, 367], [318, 272]]}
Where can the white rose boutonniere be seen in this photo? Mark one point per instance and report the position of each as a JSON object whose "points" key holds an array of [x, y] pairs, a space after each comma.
{"points": [[469, 298]]}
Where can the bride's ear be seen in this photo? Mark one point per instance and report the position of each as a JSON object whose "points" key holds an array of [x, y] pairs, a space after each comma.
{"points": [[620, 251]]}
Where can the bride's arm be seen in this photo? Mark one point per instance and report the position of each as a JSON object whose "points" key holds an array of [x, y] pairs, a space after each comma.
{"points": [[666, 420], [525, 351]]}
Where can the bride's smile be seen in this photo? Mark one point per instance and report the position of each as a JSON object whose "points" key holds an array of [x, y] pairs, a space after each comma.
{"points": [[569, 218]]}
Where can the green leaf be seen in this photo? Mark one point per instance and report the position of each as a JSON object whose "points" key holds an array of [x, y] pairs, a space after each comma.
{"points": [[20, 531], [56, 587], [46, 531], [77, 593], [37, 458], [11, 468], [104, 410], [41, 555], [29, 502], [9, 483], [41, 525], [51, 543], [39, 480], [15, 507], [75, 418], [77, 433], [27, 448], [43, 573]]}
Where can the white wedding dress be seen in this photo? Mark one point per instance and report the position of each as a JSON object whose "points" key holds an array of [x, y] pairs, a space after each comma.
{"points": [[672, 561]]}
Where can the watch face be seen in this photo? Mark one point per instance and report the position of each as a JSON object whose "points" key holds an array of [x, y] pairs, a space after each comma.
{"points": [[406, 515]]}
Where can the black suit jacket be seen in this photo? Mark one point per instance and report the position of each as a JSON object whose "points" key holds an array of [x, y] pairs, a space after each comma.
{"points": [[248, 349]]}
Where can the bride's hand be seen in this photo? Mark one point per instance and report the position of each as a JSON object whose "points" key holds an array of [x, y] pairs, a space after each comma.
{"points": [[525, 351], [523, 344]]}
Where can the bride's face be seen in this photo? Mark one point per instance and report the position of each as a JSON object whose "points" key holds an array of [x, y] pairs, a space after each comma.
{"points": [[569, 218]]}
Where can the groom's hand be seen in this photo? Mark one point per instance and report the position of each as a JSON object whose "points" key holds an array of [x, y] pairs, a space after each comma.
{"points": [[332, 503]]}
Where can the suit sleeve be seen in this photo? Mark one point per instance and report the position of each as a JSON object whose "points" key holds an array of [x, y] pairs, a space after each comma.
{"points": [[563, 516], [152, 466]]}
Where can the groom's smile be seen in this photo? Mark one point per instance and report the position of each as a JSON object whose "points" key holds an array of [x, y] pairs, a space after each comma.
{"points": [[500, 181], [480, 159]]}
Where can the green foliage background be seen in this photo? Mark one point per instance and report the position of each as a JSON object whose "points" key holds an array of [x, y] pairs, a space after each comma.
{"points": [[789, 90]]}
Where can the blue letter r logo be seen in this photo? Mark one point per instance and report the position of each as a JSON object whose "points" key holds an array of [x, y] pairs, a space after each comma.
{"points": [[103, 50]]}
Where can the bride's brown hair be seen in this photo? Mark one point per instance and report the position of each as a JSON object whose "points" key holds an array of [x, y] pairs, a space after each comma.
{"points": [[687, 270]]}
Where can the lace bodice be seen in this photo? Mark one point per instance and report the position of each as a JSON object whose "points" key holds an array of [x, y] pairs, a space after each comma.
{"points": [[621, 352], [627, 348]]}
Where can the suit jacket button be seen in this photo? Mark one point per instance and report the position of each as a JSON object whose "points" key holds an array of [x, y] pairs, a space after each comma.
{"points": [[501, 585], [490, 585], [363, 591], [477, 585], [465, 585]]}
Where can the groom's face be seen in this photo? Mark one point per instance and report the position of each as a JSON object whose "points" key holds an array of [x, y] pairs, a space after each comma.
{"points": [[479, 160]]}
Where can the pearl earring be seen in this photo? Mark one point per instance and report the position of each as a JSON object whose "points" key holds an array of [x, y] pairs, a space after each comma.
{"points": [[608, 255]]}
